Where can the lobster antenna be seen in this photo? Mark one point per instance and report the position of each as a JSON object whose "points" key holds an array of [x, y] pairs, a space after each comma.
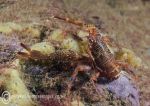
{"points": [[75, 22], [25, 47], [89, 28]]}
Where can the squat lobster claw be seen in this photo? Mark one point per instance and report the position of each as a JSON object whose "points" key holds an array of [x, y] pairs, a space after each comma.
{"points": [[30, 54]]}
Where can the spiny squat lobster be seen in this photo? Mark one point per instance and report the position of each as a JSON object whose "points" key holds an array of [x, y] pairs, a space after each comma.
{"points": [[103, 60], [100, 59]]}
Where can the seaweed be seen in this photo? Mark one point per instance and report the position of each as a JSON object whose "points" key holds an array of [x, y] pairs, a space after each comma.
{"points": [[123, 88], [9, 46]]}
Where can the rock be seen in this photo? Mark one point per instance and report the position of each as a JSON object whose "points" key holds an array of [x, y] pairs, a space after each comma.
{"points": [[66, 41], [9, 45], [122, 88], [9, 27], [16, 89], [45, 48], [128, 56], [77, 103]]}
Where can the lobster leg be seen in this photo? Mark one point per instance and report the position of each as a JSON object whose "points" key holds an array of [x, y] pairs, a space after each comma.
{"points": [[127, 68], [93, 79], [79, 68]]}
